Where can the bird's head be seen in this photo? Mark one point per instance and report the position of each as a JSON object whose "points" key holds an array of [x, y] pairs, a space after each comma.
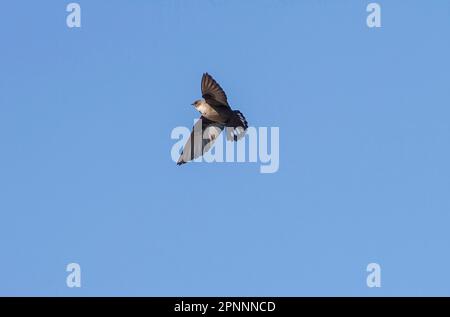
{"points": [[197, 103]]}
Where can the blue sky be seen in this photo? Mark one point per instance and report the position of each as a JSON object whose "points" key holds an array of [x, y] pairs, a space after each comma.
{"points": [[86, 174]]}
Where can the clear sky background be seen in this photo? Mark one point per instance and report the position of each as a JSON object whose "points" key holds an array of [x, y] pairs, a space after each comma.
{"points": [[86, 174]]}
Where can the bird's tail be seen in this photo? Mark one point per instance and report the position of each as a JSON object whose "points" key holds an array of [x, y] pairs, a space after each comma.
{"points": [[237, 126], [241, 117]]}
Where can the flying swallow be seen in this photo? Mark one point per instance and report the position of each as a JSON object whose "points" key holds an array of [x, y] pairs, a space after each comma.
{"points": [[216, 114]]}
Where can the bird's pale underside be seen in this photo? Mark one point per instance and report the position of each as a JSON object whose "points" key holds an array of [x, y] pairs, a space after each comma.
{"points": [[216, 115]]}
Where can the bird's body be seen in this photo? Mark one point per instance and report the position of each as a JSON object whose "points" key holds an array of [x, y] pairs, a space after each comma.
{"points": [[216, 114]]}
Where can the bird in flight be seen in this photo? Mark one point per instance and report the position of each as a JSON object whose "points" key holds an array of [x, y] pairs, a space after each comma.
{"points": [[216, 114]]}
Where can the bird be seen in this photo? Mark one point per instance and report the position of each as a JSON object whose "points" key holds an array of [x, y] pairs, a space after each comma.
{"points": [[215, 115]]}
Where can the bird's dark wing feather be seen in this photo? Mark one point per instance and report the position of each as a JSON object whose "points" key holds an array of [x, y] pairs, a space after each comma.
{"points": [[212, 92], [202, 137]]}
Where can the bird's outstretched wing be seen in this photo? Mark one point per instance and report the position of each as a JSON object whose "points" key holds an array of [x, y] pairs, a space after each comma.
{"points": [[212, 92], [202, 137]]}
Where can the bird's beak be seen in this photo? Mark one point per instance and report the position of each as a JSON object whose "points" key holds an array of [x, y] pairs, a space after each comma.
{"points": [[192, 104]]}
